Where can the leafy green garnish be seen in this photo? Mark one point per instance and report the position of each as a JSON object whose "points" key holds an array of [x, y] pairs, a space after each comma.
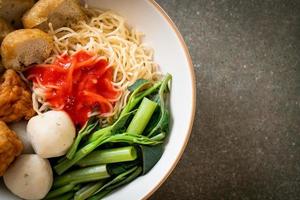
{"points": [[150, 156], [120, 180], [138, 85], [137, 95], [118, 127], [119, 168], [160, 120], [120, 124]]}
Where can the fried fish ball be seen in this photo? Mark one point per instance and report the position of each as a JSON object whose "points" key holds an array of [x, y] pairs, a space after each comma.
{"points": [[24, 47], [59, 13], [15, 98], [10, 147]]}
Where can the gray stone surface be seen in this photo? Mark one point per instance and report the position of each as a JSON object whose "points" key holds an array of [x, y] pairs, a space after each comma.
{"points": [[246, 137]]}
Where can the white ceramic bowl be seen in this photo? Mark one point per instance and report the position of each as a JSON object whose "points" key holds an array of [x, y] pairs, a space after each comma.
{"points": [[172, 55]]}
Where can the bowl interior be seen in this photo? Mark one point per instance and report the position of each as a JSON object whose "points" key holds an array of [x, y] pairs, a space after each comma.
{"points": [[172, 56]]}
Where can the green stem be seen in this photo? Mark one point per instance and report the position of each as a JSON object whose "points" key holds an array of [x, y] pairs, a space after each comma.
{"points": [[116, 169], [99, 133], [142, 116], [88, 127], [100, 195], [60, 191], [136, 98], [163, 113], [122, 180], [163, 88], [88, 190], [67, 196], [117, 179], [106, 156], [74, 146], [60, 168], [131, 139], [130, 178], [159, 137], [82, 175], [113, 129], [125, 137]]}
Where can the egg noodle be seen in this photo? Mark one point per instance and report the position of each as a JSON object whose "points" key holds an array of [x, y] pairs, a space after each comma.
{"points": [[108, 35]]}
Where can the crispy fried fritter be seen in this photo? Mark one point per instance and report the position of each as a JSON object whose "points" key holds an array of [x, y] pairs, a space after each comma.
{"points": [[15, 98], [10, 147]]}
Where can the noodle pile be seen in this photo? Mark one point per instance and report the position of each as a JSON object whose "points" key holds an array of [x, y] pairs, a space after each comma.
{"points": [[106, 34]]}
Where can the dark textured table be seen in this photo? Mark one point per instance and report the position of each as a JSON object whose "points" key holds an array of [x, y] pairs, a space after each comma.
{"points": [[246, 136]]}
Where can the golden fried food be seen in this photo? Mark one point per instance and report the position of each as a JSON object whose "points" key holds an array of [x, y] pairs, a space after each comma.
{"points": [[25, 47], [15, 98], [10, 147], [59, 13]]}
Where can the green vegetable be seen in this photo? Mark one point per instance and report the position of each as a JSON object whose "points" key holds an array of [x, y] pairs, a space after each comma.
{"points": [[115, 169], [159, 137], [138, 95], [162, 124], [82, 175], [99, 133], [84, 151], [138, 85], [142, 116], [125, 137], [88, 190], [94, 188], [150, 155], [86, 129], [134, 89], [117, 182], [132, 139], [60, 191], [118, 126], [128, 179], [100, 195], [67, 196], [106, 156]]}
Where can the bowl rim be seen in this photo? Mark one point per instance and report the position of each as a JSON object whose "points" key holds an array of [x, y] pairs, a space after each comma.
{"points": [[164, 14]]}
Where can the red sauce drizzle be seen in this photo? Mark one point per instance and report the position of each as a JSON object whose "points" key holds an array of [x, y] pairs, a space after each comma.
{"points": [[78, 84]]}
